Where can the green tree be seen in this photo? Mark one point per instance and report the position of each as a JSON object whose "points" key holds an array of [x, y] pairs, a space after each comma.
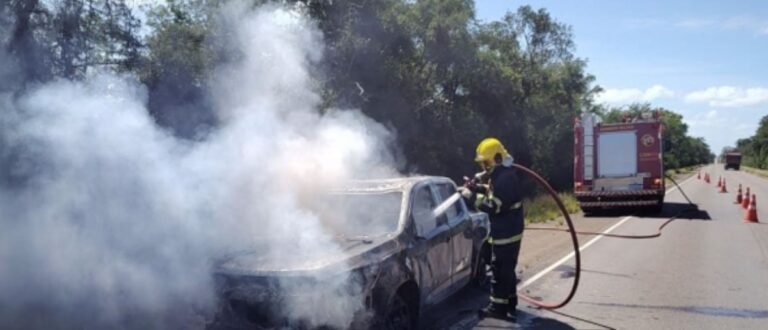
{"points": [[755, 148], [26, 45], [181, 55], [66, 38], [94, 33]]}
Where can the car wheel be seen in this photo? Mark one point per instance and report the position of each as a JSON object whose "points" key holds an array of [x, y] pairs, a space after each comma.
{"points": [[400, 314]]}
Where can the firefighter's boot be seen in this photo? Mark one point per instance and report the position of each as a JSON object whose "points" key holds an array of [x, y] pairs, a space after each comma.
{"points": [[496, 311], [499, 312]]}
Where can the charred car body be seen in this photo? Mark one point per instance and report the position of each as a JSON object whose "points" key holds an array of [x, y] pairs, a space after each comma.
{"points": [[394, 273]]}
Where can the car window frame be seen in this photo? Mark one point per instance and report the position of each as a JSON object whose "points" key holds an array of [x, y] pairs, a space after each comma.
{"points": [[441, 222], [462, 208]]}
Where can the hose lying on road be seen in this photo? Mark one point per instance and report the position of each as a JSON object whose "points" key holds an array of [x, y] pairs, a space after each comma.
{"points": [[691, 208], [572, 230]]}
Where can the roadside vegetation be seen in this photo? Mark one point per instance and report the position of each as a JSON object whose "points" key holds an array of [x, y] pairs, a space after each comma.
{"points": [[542, 208], [681, 171], [684, 170], [756, 171], [754, 149]]}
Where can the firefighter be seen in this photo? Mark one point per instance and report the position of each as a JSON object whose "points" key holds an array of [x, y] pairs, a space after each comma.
{"points": [[498, 195]]}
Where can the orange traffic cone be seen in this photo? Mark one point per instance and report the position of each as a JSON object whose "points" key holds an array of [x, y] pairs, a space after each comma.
{"points": [[723, 189], [751, 214], [719, 181], [738, 195], [745, 201]]}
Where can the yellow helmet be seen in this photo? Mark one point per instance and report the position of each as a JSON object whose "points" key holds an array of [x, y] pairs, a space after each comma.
{"points": [[487, 151]]}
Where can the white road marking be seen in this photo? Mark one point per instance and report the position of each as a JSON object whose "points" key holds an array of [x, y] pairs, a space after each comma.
{"points": [[541, 274]]}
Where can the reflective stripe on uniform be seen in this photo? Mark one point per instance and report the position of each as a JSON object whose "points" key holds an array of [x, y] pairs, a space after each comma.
{"points": [[496, 201], [505, 241], [516, 206], [489, 201], [479, 200], [499, 300]]}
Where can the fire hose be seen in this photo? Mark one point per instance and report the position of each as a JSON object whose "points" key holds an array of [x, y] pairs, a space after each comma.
{"points": [[573, 232], [571, 229]]}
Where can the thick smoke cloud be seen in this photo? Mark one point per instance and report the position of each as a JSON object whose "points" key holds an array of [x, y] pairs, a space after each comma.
{"points": [[107, 220]]}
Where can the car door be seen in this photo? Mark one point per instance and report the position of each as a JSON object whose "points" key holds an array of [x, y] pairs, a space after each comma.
{"points": [[461, 235], [432, 246]]}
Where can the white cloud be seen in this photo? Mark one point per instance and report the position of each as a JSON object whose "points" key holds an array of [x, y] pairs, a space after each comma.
{"points": [[619, 95], [644, 23], [743, 22], [630, 95], [657, 92], [740, 22], [729, 96], [695, 23], [721, 128]]}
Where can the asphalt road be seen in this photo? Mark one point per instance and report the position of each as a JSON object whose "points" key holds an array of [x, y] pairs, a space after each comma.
{"points": [[708, 270]]}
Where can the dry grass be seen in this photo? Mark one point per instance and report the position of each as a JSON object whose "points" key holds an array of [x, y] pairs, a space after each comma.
{"points": [[755, 171], [676, 173], [542, 208], [684, 170]]}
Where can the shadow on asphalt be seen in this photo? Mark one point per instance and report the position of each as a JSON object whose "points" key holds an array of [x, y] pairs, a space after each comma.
{"points": [[461, 312], [670, 209], [596, 324], [705, 310], [525, 320], [681, 210]]}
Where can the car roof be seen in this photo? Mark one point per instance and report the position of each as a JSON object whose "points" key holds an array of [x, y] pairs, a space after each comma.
{"points": [[389, 184]]}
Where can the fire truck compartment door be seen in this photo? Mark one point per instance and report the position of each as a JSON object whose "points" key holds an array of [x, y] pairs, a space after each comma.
{"points": [[617, 153]]}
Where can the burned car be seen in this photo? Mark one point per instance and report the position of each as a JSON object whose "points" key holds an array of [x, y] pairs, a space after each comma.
{"points": [[386, 273]]}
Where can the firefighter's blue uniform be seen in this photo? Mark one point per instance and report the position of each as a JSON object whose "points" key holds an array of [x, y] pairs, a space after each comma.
{"points": [[503, 203]]}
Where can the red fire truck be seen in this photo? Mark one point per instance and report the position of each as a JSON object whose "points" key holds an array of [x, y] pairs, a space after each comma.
{"points": [[618, 165]]}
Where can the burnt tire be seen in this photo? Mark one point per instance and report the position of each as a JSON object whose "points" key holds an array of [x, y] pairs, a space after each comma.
{"points": [[400, 314]]}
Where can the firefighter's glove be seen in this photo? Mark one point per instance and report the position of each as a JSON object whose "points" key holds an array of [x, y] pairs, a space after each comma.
{"points": [[465, 192], [481, 177], [479, 188]]}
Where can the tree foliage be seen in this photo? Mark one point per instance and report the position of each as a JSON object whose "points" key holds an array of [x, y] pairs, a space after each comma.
{"points": [[755, 148], [444, 80], [440, 79], [66, 38]]}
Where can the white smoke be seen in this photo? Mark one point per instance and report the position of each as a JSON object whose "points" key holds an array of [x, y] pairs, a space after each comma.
{"points": [[107, 220]]}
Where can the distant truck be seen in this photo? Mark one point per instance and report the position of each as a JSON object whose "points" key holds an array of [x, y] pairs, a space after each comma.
{"points": [[732, 160], [618, 165]]}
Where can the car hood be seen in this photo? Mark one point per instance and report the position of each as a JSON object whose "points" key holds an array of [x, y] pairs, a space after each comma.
{"points": [[351, 254]]}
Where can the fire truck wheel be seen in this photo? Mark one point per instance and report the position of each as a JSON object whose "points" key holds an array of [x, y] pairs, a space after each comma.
{"points": [[589, 211]]}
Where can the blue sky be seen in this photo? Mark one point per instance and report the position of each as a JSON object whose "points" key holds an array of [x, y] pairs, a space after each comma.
{"points": [[707, 60]]}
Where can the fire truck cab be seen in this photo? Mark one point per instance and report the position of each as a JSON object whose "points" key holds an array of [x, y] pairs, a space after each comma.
{"points": [[618, 165]]}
